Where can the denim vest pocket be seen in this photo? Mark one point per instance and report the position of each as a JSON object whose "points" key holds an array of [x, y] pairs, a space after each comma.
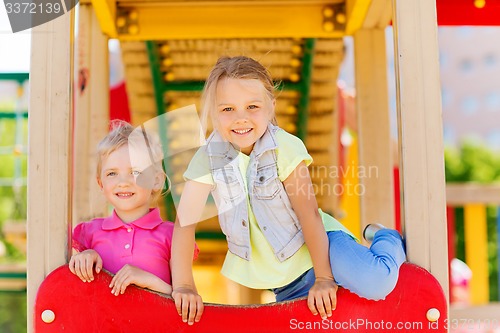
{"points": [[267, 184], [227, 184]]}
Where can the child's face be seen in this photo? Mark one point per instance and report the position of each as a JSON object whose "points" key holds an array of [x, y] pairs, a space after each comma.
{"points": [[243, 111], [118, 183]]}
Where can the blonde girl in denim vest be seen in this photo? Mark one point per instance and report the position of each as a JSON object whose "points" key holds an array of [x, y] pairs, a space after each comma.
{"points": [[277, 237]]}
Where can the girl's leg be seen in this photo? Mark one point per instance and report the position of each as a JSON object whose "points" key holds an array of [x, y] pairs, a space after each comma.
{"points": [[369, 272], [298, 288]]}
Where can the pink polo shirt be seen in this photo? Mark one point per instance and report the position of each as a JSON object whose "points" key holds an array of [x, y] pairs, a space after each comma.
{"points": [[144, 243]]}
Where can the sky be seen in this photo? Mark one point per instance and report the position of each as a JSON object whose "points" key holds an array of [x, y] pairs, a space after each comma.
{"points": [[14, 48]]}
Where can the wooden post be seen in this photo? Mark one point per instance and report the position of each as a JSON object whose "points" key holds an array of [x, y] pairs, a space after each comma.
{"points": [[50, 150], [375, 157], [92, 113], [420, 135]]}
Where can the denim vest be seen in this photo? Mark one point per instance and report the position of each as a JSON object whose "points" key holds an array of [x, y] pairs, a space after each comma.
{"points": [[268, 199]]}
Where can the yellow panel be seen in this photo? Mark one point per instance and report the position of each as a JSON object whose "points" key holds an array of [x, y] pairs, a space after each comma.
{"points": [[106, 14], [476, 251], [356, 14], [206, 277], [181, 21], [349, 202]]}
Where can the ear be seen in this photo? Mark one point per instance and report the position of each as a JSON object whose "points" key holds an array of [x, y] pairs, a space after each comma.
{"points": [[272, 112], [159, 181], [99, 182]]}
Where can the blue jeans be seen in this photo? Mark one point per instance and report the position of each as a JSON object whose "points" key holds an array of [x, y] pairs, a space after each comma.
{"points": [[371, 273]]}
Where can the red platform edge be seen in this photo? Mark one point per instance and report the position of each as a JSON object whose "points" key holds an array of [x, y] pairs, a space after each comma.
{"points": [[90, 307]]}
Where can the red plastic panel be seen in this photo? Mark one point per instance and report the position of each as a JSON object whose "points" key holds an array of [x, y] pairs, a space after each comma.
{"points": [[90, 307], [464, 12]]}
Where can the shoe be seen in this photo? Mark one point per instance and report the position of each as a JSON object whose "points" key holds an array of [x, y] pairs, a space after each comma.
{"points": [[371, 230]]}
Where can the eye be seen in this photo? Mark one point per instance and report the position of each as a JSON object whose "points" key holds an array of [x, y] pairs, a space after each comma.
{"points": [[253, 106], [110, 174], [136, 172], [227, 109]]}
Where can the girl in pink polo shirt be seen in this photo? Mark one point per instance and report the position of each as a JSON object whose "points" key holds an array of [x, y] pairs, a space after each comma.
{"points": [[134, 242]]}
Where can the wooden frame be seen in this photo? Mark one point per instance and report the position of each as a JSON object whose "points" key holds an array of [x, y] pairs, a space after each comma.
{"points": [[372, 102], [50, 150], [92, 116], [421, 135]]}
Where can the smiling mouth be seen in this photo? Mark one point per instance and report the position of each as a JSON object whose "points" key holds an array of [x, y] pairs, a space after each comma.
{"points": [[244, 131], [124, 194]]}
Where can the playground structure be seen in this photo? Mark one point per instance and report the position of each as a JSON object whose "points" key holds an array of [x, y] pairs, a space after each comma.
{"points": [[66, 117], [405, 309]]}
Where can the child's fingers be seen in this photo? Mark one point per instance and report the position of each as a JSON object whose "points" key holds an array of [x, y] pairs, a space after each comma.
{"points": [[71, 265], [124, 287], [189, 309], [333, 298], [78, 270], [320, 306], [114, 285], [81, 267], [199, 308], [193, 310], [311, 304], [185, 309], [328, 305], [89, 268], [120, 282], [124, 284], [84, 264], [98, 264], [189, 305], [74, 267], [178, 302]]}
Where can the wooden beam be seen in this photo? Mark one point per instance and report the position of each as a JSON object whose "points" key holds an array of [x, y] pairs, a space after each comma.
{"points": [[106, 14], [238, 20], [379, 14], [372, 103], [462, 194], [356, 14], [420, 135], [485, 317], [92, 113], [50, 153]]}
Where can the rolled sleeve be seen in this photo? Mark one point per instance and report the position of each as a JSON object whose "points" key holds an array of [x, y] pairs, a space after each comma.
{"points": [[80, 242]]}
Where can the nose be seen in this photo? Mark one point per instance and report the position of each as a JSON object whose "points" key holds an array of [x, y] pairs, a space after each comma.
{"points": [[241, 115], [125, 179]]}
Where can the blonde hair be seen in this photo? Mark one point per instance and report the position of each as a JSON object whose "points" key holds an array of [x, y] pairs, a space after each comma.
{"points": [[239, 67], [121, 134]]}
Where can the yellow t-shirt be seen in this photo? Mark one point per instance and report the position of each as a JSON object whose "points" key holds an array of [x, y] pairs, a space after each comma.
{"points": [[264, 271]]}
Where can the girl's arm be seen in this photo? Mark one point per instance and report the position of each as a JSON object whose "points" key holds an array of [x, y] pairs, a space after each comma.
{"points": [[187, 301], [129, 274], [323, 295]]}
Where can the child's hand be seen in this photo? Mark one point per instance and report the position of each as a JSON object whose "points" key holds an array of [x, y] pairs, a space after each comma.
{"points": [[82, 264], [188, 303], [322, 297], [129, 274]]}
